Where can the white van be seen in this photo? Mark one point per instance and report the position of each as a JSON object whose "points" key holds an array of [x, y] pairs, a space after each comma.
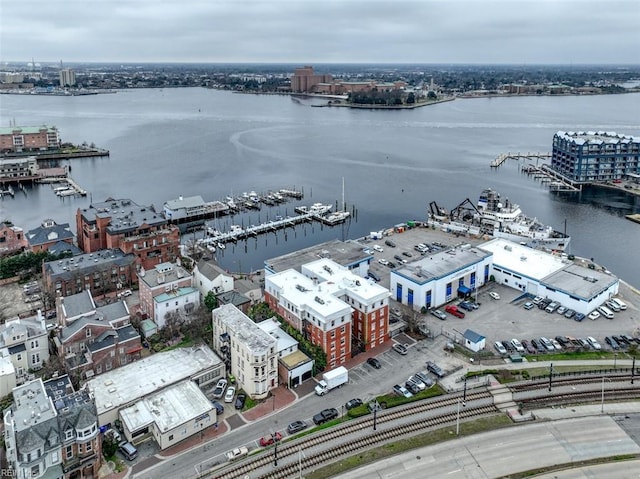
{"points": [[621, 304], [606, 312]]}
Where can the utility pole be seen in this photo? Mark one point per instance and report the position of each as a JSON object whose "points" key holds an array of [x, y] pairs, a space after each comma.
{"points": [[464, 394], [275, 451], [633, 369], [375, 416], [550, 375]]}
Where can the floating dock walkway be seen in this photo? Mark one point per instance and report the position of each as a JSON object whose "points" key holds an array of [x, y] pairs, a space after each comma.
{"points": [[518, 156]]}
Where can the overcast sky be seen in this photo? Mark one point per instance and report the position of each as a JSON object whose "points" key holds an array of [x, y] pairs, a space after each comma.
{"points": [[322, 31]]}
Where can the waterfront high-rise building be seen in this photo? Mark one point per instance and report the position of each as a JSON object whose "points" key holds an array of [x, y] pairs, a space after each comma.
{"points": [[595, 156], [304, 80], [67, 77]]}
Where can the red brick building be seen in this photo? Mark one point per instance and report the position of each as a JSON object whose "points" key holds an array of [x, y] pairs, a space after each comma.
{"points": [[28, 138], [135, 229], [12, 239], [304, 80], [48, 234]]}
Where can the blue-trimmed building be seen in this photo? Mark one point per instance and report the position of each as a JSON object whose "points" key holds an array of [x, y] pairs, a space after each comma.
{"points": [[595, 156], [441, 277]]}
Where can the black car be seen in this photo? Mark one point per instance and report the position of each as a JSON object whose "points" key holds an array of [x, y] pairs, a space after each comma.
{"points": [[240, 400], [351, 403], [508, 346], [612, 342], [435, 369], [219, 407], [373, 362], [374, 276], [325, 415], [412, 387], [390, 243], [296, 426], [391, 264], [578, 317], [407, 254], [466, 305]]}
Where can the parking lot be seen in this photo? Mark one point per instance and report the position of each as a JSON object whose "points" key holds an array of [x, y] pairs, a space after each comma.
{"points": [[504, 318]]}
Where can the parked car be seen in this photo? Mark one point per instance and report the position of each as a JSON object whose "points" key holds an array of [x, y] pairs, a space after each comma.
{"points": [[390, 243], [593, 315], [466, 305], [528, 305], [435, 369], [128, 450], [237, 453], [400, 348], [374, 276], [367, 251], [325, 415], [594, 344], [451, 309], [612, 342], [383, 262], [240, 400], [373, 362], [401, 391], [537, 300], [569, 313], [412, 387], [229, 395], [296, 426], [418, 382], [399, 258], [219, 407], [552, 306], [494, 295], [378, 248], [438, 314], [407, 254], [125, 293], [508, 346], [218, 391], [529, 347], [561, 310], [424, 377], [548, 345], [517, 345], [578, 317], [351, 403], [557, 346], [613, 306], [391, 264], [270, 439]]}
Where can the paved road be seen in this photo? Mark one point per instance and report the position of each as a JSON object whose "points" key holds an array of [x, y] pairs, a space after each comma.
{"points": [[500, 453]]}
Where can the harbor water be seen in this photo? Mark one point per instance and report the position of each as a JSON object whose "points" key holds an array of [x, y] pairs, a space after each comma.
{"points": [[169, 142]]}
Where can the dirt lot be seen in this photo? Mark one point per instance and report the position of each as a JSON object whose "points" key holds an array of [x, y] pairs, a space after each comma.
{"points": [[12, 301]]}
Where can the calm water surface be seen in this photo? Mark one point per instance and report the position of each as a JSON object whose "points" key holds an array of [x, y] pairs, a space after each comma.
{"points": [[171, 142]]}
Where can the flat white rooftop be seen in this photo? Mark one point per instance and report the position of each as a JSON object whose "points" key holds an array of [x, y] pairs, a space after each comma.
{"points": [[526, 261], [168, 408], [128, 383]]}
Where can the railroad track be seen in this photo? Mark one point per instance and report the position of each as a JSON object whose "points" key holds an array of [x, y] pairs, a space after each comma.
{"points": [[575, 397], [290, 450], [569, 381]]}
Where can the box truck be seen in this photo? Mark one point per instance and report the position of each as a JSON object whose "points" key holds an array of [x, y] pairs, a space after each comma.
{"points": [[332, 379]]}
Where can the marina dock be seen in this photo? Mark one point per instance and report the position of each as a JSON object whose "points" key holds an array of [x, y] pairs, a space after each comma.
{"points": [[219, 239], [551, 178], [518, 156]]}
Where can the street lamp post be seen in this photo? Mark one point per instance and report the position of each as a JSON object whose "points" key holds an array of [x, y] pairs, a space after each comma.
{"points": [[602, 397], [375, 416], [275, 452], [550, 375]]}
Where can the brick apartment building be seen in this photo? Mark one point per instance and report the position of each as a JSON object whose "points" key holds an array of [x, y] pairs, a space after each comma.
{"points": [[16, 139], [135, 229], [333, 307], [102, 272], [304, 80]]}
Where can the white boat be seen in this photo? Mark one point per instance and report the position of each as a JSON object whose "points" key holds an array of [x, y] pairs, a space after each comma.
{"points": [[317, 209], [220, 245], [501, 219], [60, 189]]}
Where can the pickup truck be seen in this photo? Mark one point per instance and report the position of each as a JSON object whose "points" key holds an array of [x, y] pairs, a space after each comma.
{"points": [[237, 453], [325, 415]]}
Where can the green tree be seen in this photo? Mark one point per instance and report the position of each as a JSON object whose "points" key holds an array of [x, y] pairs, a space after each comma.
{"points": [[411, 98], [210, 301]]}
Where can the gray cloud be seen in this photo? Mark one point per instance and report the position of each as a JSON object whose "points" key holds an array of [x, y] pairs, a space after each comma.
{"points": [[303, 31]]}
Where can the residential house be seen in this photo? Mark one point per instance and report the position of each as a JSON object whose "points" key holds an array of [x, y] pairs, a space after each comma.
{"points": [[12, 239], [93, 340], [50, 431], [249, 353], [165, 292], [25, 343], [209, 277], [48, 234]]}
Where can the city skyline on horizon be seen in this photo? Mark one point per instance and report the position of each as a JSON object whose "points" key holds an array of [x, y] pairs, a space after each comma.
{"points": [[429, 32]]}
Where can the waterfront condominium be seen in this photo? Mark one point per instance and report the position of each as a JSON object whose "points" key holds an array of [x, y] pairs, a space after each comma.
{"points": [[595, 156], [129, 227]]}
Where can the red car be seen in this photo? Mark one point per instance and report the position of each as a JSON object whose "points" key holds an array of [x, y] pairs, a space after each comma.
{"points": [[452, 309], [270, 439]]}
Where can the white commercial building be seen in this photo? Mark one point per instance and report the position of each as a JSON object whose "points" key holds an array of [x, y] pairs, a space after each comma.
{"points": [[25, 342], [249, 352], [438, 278], [122, 387], [171, 415], [569, 282]]}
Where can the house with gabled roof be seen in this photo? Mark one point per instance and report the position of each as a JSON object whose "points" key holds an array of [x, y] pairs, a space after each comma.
{"points": [[48, 234]]}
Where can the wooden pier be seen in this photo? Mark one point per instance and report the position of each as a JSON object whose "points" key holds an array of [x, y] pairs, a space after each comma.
{"points": [[519, 156]]}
